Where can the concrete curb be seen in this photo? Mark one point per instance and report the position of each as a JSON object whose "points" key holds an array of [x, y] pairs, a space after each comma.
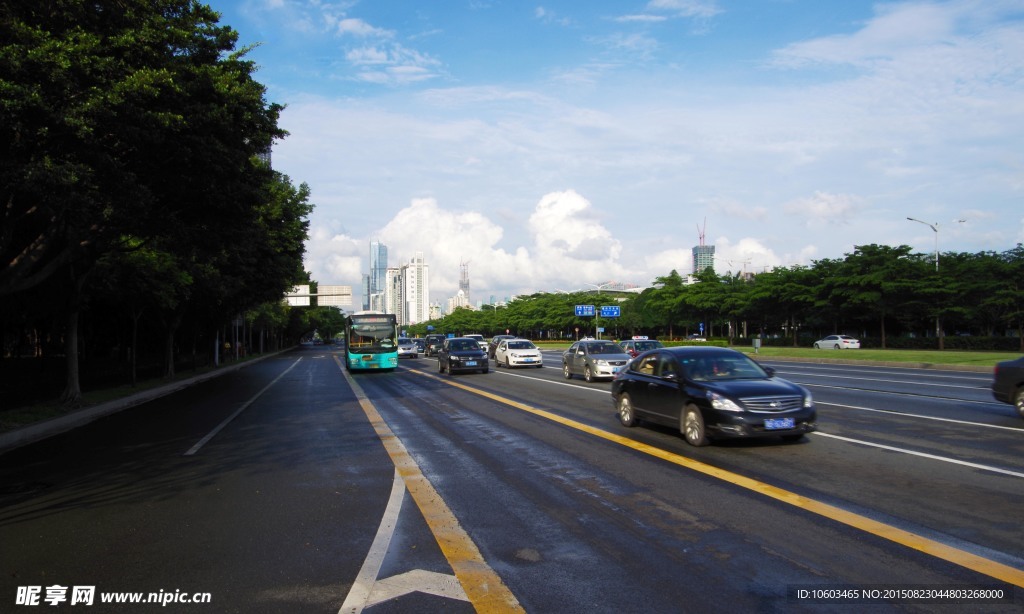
{"points": [[32, 433]]}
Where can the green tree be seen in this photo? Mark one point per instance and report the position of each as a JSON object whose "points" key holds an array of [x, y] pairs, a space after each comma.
{"points": [[118, 125], [876, 281]]}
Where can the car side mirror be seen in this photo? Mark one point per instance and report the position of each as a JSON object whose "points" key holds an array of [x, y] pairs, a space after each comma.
{"points": [[770, 371]]}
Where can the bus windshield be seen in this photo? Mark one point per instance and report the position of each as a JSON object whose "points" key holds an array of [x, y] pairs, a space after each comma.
{"points": [[372, 334]]}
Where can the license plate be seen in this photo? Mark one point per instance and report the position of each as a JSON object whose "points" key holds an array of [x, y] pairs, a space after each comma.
{"points": [[527, 360], [470, 363], [772, 424]]}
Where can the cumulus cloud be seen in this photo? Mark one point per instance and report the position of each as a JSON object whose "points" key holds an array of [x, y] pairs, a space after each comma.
{"points": [[334, 257], [568, 248], [823, 208], [748, 255]]}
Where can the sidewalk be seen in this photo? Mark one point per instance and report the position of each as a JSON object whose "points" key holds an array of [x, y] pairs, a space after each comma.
{"points": [[32, 433]]}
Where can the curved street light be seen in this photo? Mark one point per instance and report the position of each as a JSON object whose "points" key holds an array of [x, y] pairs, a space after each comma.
{"points": [[935, 229]]}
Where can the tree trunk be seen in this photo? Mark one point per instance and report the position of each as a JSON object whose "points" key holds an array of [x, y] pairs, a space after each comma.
{"points": [[883, 330], [172, 327], [72, 395], [133, 362]]}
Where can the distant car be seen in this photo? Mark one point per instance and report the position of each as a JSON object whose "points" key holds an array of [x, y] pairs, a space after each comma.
{"points": [[638, 345], [421, 344], [696, 337], [837, 342], [493, 343], [461, 354], [594, 359], [479, 340], [517, 353], [433, 342], [407, 348], [708, 393], [1008, 383]]}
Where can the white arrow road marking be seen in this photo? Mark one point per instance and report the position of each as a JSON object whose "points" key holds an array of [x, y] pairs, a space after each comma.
{"points": [[368, 590]]}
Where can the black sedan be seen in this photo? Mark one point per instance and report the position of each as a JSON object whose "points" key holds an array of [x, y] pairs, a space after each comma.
{"points": [[1008, 383], [462, 354], [709, 393]]}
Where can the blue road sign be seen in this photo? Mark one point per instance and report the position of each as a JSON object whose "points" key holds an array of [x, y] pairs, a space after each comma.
{"points": [[585, 311], [610, 311]]}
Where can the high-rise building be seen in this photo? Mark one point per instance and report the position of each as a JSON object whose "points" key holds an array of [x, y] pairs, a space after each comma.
{"points": [[378, 272], [703, 258], [703, 255], [406, 292], [464, 281], [392, 302], [416, 290]]}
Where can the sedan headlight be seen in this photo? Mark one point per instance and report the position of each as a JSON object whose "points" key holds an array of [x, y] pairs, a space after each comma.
{"points": [[601, 363], [808, 399], [723, 403]]}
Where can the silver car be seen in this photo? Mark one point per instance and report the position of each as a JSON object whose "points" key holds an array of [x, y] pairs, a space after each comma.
{"points": [[407, 348], [594, 359]]}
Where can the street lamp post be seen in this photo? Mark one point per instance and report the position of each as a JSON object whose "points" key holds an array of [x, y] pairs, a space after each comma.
{"points": [[935, 229]]}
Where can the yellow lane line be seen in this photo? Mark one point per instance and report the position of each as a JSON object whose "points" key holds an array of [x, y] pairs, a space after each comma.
{"points": [[934, 548], [482, 585]]}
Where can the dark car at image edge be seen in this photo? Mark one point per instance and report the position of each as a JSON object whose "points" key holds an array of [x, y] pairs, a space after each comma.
{"points": [[711, 393], [1008, 383]]}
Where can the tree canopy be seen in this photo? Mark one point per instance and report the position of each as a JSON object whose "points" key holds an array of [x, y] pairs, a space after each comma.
{"points": [[134, 146]]}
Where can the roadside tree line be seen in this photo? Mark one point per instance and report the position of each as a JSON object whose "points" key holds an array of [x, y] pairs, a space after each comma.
{"points": [[888, 296], [140, 214]]}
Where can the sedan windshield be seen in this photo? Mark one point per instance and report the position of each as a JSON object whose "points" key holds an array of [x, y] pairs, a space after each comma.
{"points": [[719, 368], [604, 348], [520, 345]]}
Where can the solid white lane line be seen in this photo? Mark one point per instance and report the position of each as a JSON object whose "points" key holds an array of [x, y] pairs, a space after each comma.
{"points": [[202, 442], [922, 417], [944, 459]]}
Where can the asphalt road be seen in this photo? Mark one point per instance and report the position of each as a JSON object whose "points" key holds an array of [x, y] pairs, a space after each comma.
{"points": [[291, 486]]}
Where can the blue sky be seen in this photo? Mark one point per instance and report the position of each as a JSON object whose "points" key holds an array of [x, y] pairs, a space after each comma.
{"points": [[561, 145]]}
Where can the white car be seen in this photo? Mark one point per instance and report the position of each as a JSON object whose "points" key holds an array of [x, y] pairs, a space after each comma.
{"points": [[517, 353], [837, 342], [479, 340]]}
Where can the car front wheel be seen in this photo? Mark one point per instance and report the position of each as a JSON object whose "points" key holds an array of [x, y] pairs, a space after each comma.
{"points": [[693, 427], [588, 374], [566, 372], [1018, 401], [817, 347], [626, 415], [440, 366]]}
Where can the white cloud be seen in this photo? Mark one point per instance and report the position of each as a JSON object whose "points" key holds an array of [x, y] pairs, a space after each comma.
{"points": [[824, 208], [360, 28]]}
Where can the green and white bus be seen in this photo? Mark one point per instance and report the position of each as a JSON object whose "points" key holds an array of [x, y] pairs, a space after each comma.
{"points": [[371, 341]]}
